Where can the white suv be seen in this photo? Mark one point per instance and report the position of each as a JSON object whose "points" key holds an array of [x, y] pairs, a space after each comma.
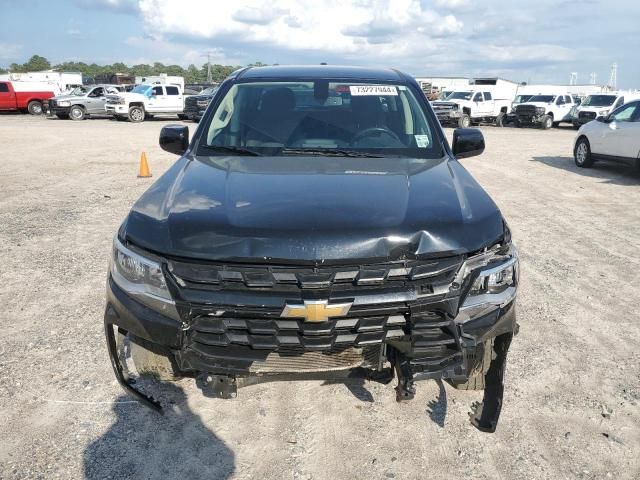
{"points": [[615, 137]]}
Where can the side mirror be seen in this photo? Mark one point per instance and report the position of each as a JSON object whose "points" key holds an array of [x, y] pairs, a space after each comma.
{"points": [[467, 142], [601, 118], [174, 139]]}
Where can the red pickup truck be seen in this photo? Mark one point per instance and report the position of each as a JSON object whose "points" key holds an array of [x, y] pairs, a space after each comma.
{"points": [[24, 96]]}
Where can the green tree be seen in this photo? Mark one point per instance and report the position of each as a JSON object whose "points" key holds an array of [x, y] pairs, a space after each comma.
{"points": [[36, 63]]}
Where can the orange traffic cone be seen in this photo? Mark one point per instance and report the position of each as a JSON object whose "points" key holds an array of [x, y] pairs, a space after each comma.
{"points": [[143, 171]]}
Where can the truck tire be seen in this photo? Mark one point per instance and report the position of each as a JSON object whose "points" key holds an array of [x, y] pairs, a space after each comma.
{"points": [[500, 119], [464, 121], [476, 376], [582, 153], [35, 107], [77, 113], [136, 114], [546, 122], [152, 360], [182, 116]]}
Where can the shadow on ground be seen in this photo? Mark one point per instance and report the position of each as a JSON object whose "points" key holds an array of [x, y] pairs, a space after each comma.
{"points": [[609, 172], [145, 444], [437, 409]]}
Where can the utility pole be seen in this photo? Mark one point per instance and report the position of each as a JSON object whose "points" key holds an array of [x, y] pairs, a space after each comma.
{"points": [[613, 78], [573, 78], [593, 79], [209, 76]]}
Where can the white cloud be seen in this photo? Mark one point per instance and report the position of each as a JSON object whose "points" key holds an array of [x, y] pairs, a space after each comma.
{"points": [[333, 26]]}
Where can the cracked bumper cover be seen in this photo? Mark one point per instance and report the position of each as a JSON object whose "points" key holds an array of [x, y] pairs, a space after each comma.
{"points": [[124, 315]]}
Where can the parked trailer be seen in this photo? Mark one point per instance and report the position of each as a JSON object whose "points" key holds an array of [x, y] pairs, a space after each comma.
{"points": [[60, 81], [27, 96]]}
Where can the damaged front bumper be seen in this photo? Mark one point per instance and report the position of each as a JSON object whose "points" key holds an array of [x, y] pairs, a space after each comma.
{"points": [[410, 334]]}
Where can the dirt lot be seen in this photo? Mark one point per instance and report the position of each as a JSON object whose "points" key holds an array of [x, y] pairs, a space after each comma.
{"points": [[572, 403]]}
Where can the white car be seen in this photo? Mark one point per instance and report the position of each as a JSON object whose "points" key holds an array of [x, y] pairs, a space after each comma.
{"points": [[614, 137]]}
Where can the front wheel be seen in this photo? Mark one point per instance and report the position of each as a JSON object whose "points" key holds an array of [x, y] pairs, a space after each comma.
{"points": [[547, 122], [136, 114], [582, 153], [35, 107], [464, 121], [476, 380], [500, 119], [77, 113], [182, 116]]}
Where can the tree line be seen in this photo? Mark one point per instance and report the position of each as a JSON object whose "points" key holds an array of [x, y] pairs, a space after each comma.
{"points": [[191, 74]]}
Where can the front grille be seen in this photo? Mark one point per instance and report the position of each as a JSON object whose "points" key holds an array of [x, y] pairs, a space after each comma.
{"points": [[233, 311], [420, 275], [529, 110], [586, 116], [264, 334]]}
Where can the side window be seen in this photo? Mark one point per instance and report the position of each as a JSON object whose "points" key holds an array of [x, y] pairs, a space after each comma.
{"points": [[477, 97], [625, 113], [172, 91], [618, 103], [97, 92], [487, 95], [4, 88], [567, 98], [560, 100], [157, 91]]}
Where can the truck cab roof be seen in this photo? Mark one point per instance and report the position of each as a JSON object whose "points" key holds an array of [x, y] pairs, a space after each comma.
{"points": [[320, 71]]}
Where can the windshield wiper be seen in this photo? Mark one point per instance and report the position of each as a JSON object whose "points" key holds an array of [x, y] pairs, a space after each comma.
{"points": [[230, 149], [330, 152]]}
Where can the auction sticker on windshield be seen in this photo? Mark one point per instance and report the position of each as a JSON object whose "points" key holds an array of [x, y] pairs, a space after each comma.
{"points": [[372, 90]]}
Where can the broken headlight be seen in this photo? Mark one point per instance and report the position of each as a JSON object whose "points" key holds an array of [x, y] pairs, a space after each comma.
{"points": [[493, 277], [142, 278]]}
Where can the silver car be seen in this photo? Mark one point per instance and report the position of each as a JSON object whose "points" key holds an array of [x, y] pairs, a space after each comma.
{"points": [[82, 101]]}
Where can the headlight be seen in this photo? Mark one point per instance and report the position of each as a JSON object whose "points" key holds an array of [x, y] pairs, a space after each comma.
{"points": [[64, 103], [540, 110], [142, 278], [603, 112], [495, 278]]}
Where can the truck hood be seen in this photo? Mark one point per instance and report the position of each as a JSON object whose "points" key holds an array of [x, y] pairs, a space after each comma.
{"points": [[59, 98], [129, 96], [537, 104], [313, 210], [449, 103]]}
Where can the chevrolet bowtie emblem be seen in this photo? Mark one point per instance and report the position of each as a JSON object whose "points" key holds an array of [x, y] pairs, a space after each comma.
{"points": [[316, 310]]}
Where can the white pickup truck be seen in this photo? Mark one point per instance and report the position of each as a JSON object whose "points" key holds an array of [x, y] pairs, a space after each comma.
{"points": [[145, 101], [471, 106], [545, 111]]}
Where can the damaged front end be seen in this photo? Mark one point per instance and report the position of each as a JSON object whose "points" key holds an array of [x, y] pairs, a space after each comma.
{"points": [[230, 324]]}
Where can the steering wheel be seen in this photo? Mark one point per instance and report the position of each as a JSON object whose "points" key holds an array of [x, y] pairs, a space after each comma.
{"points": [[375, 131]]}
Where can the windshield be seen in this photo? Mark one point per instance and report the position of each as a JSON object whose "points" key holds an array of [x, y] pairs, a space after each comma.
{"points": [[141, 89], [208, 91], [599, 101], [521, 98], [460, 96], [321, 117], [542, 98], [80, 91]]}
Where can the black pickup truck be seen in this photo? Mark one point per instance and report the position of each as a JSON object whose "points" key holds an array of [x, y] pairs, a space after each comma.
{"points": [[317, 225], [196, 105]]}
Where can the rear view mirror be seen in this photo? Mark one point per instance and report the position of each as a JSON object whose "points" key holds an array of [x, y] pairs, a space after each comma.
{"points": [[174, 139], [467, 142]]}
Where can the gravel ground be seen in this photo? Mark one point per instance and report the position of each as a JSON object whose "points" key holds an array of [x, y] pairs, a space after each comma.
{"points": [[573, 378]]}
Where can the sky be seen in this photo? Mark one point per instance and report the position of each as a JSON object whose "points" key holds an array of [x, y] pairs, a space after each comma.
{"points": [[522, 40]]}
